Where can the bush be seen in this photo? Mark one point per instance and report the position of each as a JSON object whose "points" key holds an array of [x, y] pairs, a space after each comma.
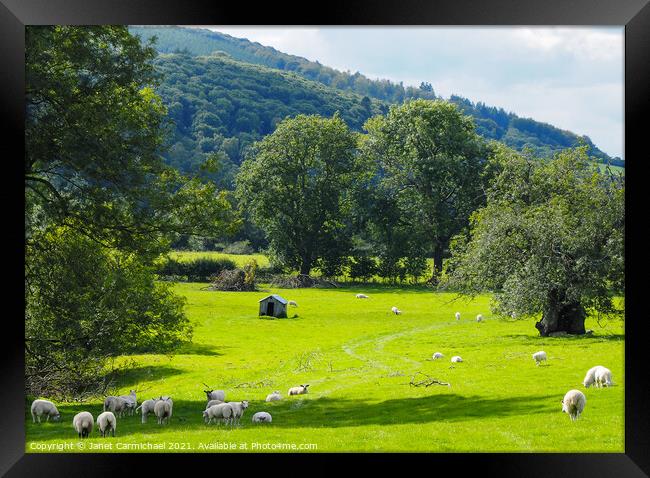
{"points": [[239, 247], [363, 268], [201, 269]]}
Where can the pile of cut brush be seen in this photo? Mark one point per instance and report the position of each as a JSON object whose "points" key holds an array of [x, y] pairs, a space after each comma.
{"points": [[301, 281]]}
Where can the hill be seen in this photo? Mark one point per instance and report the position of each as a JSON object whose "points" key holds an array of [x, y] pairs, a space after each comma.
{"points": [[224, 93]]}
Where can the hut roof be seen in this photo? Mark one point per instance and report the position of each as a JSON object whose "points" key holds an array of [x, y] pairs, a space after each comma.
{"points": [[276, 297]]}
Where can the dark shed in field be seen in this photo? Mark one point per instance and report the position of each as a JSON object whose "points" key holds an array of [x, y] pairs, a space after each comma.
{"points": [[274, 306]]}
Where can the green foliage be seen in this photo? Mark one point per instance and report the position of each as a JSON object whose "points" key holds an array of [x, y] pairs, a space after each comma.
{"points": [[86, 303], [198, 269], [552, 231], [296, 188], [362, 268], [429, 178]]}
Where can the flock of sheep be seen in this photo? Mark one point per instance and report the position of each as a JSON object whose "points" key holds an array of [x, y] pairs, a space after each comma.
{"points": [[219, 410], [118, 406]]}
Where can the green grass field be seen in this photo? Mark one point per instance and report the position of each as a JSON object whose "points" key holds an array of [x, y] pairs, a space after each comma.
{"points": [[358, 359]]}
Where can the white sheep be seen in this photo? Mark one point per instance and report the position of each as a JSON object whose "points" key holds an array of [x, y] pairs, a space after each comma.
{"points": [[292, 303], [539, 356], [44, 407], [238, 409], [131, 402], [83, 424], [574, 403], [147, 407], [456, 358], [603, 377], [163, 410], [262, 417], [106, 422], [215, 395], [117, 405], [221, 410], [457, 315], [395, 310], [213, 402], [590, 377], [362, 296], [298, 390], [479, 318], [437, 355], [272, 397]]}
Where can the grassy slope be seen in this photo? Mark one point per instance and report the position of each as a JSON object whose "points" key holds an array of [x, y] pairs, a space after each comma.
{"points": [[361, 361]]}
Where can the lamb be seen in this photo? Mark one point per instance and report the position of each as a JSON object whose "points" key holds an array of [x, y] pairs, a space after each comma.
{"points": [[238, 409], [147, 407], [437, 355], [293, 303], [131, 402], [396, 311], [262, 417], [539, 356], [215, 395], [44, 407], [457, 315], [272, 397], [456, 358], [603, 377], [574, 403], [362, 296], [117, 405], [479, 318], [106, 422], [298, 390], [221, 410], [213, 402], [590, 377], [83, 424], [163, 410]]}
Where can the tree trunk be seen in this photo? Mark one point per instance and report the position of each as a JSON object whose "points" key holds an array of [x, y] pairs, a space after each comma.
{"points": [[437, 264], [561, 316]]}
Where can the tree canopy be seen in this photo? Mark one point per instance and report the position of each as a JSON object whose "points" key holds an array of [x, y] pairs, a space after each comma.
{"points": [[549, 240]]}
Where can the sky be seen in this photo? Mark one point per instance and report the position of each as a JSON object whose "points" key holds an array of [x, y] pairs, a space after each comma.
{"points": [[570, 77]]}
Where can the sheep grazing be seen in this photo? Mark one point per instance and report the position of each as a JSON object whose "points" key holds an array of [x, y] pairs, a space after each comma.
{"points": [[238, 409], [272, 397], [83, 424], [437, 355], [457, 315], [574, 403], [147, 407], [361, 296], [163, 410], [215, 395], [298, 390], [590, 377], [262, 417], [395, 310], [117, 405], [106, 422], [479, 318], [539, 356], [603, 377], [213, 402], [292, 303], [44, 407], [456, 358], [131, 402], [220, 411]]}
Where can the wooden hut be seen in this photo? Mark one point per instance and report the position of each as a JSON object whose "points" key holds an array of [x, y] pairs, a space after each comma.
{"points": [[273, 306]]}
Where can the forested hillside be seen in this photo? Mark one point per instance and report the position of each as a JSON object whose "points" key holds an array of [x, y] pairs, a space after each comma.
{"points": [[224, 93]]}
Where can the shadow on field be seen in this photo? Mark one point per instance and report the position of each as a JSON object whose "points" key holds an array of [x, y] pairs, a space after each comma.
{"points": [[133, 376], [199, 349], [588, 338], [334, 413]]}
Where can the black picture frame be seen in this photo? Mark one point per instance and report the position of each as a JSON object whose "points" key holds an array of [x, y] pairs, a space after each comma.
{"points": [[633, 14]]}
